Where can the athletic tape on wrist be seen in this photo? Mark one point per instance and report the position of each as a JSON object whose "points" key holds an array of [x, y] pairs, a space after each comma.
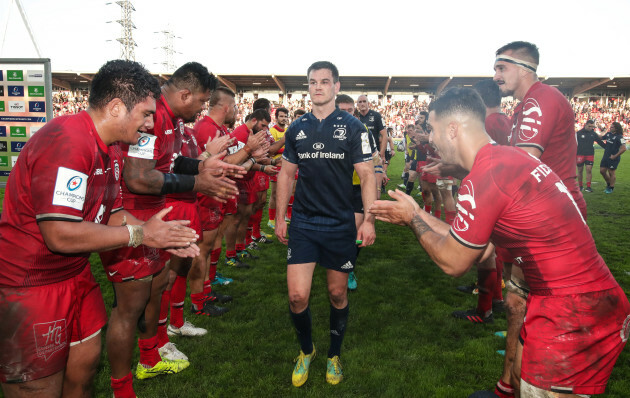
{"points": [[184, 165], [175, 183]]}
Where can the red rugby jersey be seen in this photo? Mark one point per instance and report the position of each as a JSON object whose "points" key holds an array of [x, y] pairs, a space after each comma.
{"points": [[65, 172], [163, 144], [545, 120], [207, 129], [517, 201], [191, 150], [498, 127], [241, 133]]}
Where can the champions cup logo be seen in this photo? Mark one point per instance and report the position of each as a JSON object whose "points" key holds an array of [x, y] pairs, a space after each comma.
{"points": [[143, 141], [465, 196], [74, 183], [531, 120]]}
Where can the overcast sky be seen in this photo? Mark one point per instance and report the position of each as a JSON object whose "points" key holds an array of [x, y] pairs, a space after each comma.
{"points": [[459, 37]]}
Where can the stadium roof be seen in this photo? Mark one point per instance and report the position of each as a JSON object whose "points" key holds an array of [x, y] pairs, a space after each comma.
{"points": [[382, 85]]}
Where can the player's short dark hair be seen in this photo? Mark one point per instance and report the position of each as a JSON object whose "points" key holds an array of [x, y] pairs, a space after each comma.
{"points": [[259, 114], [522, 46], [215, 98], [590, 121], [324, 65], [489, 91], [261, 103], [194, 77], [344, 99], [459, 100], [127, 80], [282, 109], [299, 112], [616, 127]]}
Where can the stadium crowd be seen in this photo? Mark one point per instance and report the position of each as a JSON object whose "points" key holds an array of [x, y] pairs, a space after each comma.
{"points": [[396, 114]]}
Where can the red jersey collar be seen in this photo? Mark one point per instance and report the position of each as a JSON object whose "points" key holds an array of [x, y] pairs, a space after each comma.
{"points": [[88, 119], [168, 108]]}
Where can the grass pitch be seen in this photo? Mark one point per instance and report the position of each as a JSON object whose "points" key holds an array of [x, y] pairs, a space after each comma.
{"points": [[401, 340]]}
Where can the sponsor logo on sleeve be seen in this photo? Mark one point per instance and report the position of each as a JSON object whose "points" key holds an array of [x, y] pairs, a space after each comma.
{"points": [[17, 131], [465, 200], [34, 129], [530, 125], [16, 146], [70, 188], [36, 106], [3, 146], [15, 76], [36, 91], [3, 131], [50, 337], [15, 91], [144, 149], [365, 143], [4, 161], [35, 76], [17, 106], [236, 147]]}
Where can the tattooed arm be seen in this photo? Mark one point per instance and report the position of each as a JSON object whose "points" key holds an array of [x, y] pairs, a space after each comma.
{"points": [[451, 256]]}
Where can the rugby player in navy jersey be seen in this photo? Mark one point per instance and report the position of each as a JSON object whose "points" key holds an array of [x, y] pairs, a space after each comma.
{"points": [[327, 145], [615, 146]]}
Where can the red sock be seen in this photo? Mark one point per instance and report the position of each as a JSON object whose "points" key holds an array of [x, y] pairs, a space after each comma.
{"points": [[165, 303], [256, 224], [498, 288], [214, 260], [438, 214], [272, 214], [123, 388], [504, 390], [149, 354], [424, 197], [290, 207], [588, 184], [240, 247], [207, 287], [198, 299], [230, 253], [178, 295], [449, 216], [487, 281], [427, 208]]}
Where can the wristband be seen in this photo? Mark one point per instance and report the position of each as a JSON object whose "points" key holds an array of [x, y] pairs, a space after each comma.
{"points": [[262, 167], [184, 165], [175, 183], [136, 235], [253, 161]]}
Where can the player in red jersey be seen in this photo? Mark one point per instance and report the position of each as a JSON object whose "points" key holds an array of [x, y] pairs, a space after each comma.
{"points": [[57, 210], [578, 318], [153, 168], [215, 216], [489, 272], [543, 125], [256, 124]]}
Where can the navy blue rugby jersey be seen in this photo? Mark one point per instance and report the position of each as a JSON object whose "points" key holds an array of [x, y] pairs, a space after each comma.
{"points": [[325, 153], [374, 122], [613, 143]]}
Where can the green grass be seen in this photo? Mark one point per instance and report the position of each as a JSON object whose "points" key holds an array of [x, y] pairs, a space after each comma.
{"points": [[401, 340]]}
